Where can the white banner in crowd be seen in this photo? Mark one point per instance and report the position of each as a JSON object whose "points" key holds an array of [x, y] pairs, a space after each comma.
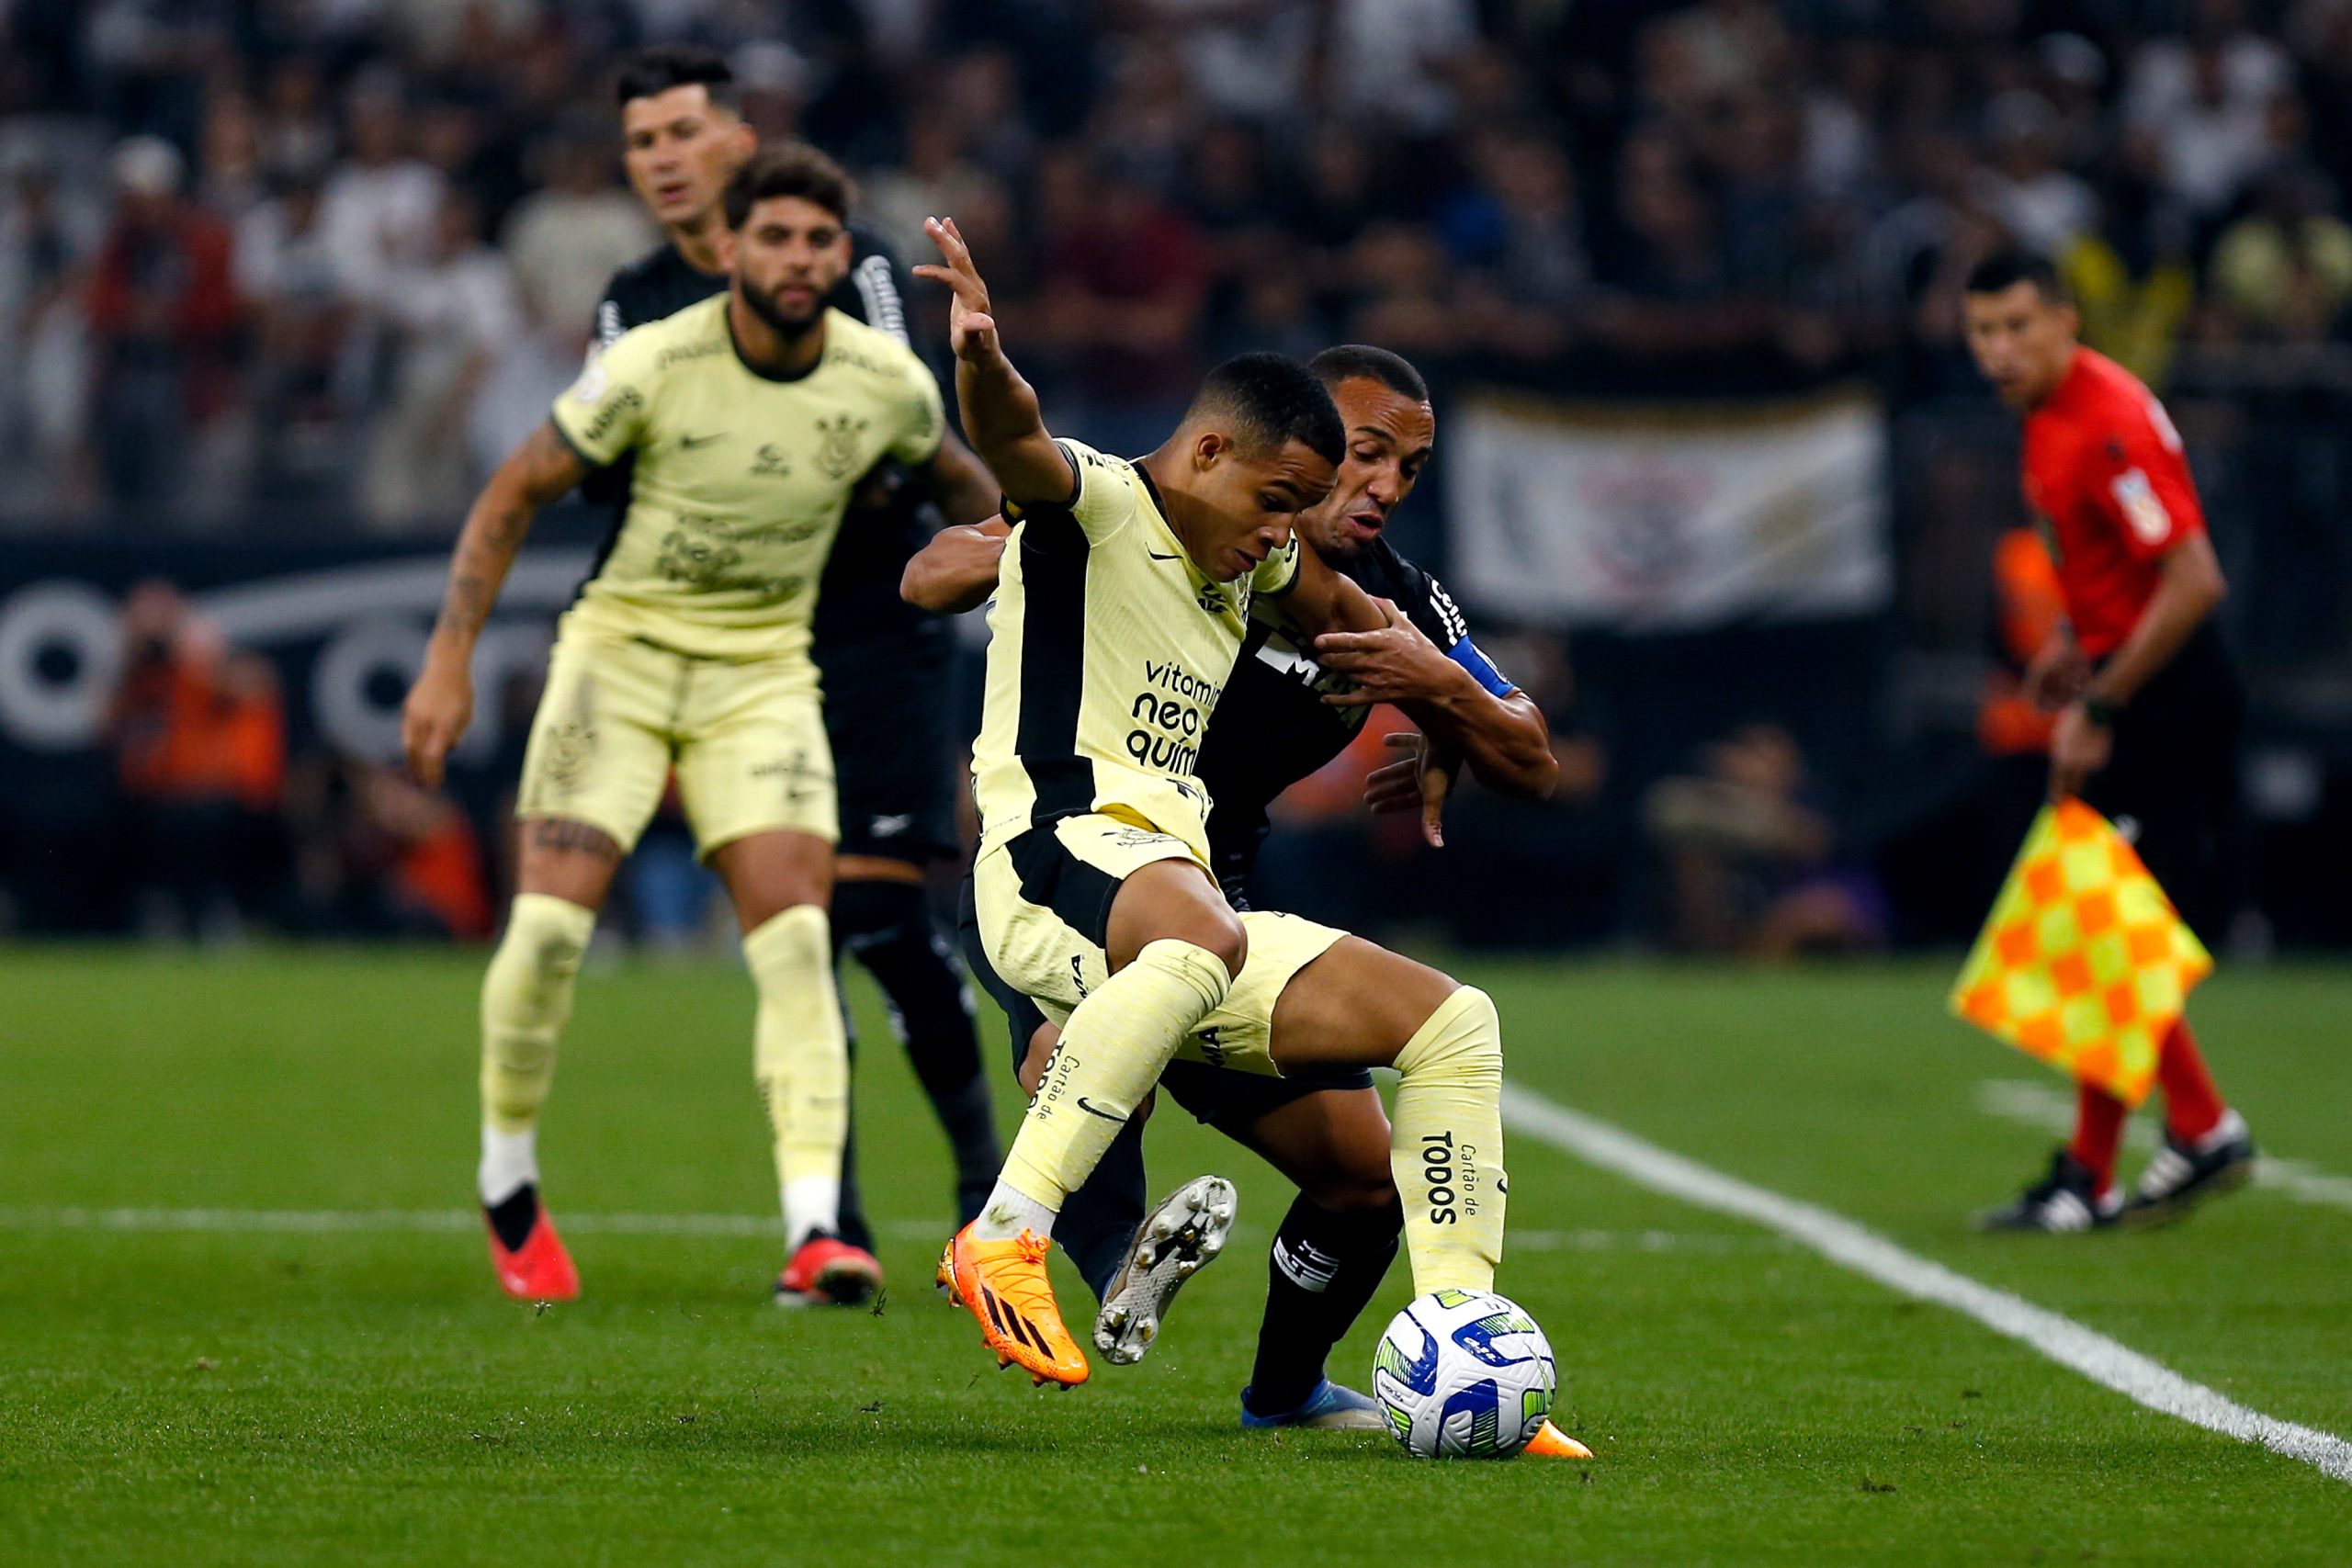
{"points": [[1668, 518]]}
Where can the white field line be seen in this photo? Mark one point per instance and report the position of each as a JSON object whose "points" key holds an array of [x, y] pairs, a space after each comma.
{"points": [[1855, 1246], [333, 1222], [322, 1221], [2052, 1109]]}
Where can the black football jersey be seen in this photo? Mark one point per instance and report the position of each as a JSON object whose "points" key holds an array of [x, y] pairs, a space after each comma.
{"points": [[858, 596], [1272, 727]]}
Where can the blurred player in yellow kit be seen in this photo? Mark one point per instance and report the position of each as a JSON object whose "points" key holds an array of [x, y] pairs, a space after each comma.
{"points": [[749, 418], [1121, 600]]}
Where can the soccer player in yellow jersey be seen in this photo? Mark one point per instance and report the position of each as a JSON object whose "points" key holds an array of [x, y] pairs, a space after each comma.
{"points": [[749, 418], [1123, 598]]}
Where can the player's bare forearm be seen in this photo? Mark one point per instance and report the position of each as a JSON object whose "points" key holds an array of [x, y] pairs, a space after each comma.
{"points": [[961, 483], [1504, 739], [1007, 431], [2190, 589], [956, 572], [536, 473]]}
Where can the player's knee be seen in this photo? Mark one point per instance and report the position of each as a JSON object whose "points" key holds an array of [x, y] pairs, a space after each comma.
{"points": [[1173, 901], [537, 958], [1345, 1189], [1210, 924], [1462, 1042], [1224, 938], [788, 947]]}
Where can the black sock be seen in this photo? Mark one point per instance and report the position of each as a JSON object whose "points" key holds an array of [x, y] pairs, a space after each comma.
{"points": [[511, 1217], [1324, 1268], [1098, 1222], [887, 926]]}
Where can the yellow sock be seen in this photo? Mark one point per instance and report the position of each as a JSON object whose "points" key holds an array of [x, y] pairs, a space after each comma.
{"points": [[1445, 1145], [1111, 1054], [801, 1063], [526, 1001]]}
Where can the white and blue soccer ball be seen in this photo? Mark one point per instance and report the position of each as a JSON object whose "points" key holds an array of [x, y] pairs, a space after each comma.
{"points": [[1464, 1374]]}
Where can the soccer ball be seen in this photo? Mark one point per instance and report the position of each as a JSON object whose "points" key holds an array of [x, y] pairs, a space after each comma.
{"points": [[1464, 1374]]}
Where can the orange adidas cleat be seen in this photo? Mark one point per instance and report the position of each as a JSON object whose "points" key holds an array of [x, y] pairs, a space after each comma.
{"points": [[828, 1272], [1003, 1284], [539, 1270], [1550, 1442]]}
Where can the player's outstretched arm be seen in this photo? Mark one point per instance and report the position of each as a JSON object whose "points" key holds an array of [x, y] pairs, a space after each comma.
{"points": [[441, 704], [1000, 415], [956, 572]]}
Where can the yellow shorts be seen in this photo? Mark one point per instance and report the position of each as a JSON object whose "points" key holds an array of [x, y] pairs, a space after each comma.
{"points": [[1044, 903], [747, 740]]}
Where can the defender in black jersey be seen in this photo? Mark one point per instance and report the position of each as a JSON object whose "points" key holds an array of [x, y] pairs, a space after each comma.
{"points": [[885, 664], [1289, 708]]}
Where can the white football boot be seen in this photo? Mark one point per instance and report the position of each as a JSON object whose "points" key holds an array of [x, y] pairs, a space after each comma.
{"points": [[1176, 1241]]}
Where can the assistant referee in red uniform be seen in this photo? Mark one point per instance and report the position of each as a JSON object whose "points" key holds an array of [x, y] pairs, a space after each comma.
{"points": [[2149, 707]]}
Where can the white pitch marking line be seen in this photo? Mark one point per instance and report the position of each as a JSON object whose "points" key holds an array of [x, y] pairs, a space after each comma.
{"points": [[318, 1221], [332, 1221], [2053, 1110], [1855, 1246]]}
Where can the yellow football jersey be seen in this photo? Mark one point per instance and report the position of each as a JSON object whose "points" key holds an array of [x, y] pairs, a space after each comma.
{"points": [[1108, 652], [740, 478]]}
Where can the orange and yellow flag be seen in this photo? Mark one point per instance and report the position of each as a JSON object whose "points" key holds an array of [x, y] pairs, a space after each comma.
{"points": [[2082, 961]]}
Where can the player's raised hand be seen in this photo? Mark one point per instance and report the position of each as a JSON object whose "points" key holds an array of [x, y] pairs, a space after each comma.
{"points": [[1423, 777], [433, 718], [971, 330], [1395, 664]]}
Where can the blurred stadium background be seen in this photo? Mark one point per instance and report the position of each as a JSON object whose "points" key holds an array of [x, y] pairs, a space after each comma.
{"points": [[279, 280]]}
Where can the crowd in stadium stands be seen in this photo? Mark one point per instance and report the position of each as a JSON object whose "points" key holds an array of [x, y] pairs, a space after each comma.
{"points": [[314, 265], [264, 238]]}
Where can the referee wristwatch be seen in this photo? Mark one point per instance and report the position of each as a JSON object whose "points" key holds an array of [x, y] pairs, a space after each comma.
{"points": [[2102, 711]]}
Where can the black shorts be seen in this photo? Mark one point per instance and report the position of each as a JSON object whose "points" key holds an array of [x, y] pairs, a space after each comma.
{"points": [[887, 714], [2172, 781], [1223, 1098]]}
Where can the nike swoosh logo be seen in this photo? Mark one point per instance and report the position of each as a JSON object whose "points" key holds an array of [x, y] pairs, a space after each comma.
{"points": [[1097, 1110], [1157, 556], [691, 442]]}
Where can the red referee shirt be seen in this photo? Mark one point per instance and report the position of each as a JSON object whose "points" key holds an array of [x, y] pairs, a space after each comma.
{"points": [[2106, 479]]}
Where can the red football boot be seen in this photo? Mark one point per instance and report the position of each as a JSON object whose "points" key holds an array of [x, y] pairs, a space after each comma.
{"points": [[539, 1270], [828, 1272]]}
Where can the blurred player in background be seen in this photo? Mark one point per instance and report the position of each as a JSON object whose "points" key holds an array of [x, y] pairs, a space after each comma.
{"points": [[749, 418], [1123, 596], [884, 665], [1291, 705], [2148, 704]]}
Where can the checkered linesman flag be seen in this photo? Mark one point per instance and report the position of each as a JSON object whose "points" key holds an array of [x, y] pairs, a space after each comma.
{"points": [[2082, 961]]}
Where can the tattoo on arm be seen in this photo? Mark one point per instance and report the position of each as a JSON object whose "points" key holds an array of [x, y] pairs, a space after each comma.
{"points": [[538, 471]]}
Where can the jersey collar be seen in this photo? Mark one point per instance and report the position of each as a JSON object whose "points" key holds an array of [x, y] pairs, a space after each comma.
{"points": [[727, 316], [1160, 511]]}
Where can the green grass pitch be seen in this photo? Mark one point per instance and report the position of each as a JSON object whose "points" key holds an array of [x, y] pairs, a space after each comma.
{"points": [[364, 1395]]}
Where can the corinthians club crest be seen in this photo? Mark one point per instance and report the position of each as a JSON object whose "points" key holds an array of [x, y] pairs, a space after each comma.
{"points": [[837, 446]]}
